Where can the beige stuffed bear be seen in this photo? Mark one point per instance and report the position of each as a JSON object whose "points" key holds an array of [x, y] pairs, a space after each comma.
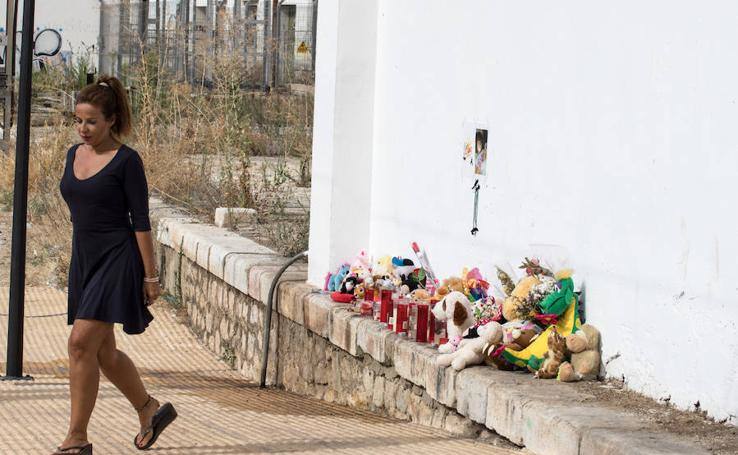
{"points": [[471, 351], [449, 285], [584, 346], [420, 295], [514, 307]]}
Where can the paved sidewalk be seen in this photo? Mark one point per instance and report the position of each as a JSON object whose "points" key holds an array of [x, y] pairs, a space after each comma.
{"points": [[220, 412]]}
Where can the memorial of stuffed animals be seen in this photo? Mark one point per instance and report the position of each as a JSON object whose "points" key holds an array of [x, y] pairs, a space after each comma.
{"points": [[533, 324]]}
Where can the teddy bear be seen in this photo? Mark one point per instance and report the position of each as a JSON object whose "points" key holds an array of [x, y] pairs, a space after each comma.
{"points": [[516, 305], [455, 309], [383, 266], [516, 335], [553, 358], [382, 274], [382, 282], [420, 295], [584, 346], [471, 351], [523, 299], [452, 284]]}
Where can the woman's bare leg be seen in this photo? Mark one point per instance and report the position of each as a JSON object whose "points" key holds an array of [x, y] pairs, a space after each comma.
{"points": [[121, 371], [84, 376]]}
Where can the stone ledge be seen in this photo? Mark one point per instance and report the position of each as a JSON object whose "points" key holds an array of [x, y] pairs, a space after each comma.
{"points": [[228, 216], [544, 416]]}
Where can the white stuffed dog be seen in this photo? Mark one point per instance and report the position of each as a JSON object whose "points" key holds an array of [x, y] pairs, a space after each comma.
{"points": [[456, 310], [471, 351]]}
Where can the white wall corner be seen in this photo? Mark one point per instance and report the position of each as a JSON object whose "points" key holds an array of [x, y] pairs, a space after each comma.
{"points": [[343, 133]]}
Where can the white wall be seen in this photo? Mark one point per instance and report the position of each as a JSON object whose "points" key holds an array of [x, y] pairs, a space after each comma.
{"points": [[612, 135], [344, 129]]}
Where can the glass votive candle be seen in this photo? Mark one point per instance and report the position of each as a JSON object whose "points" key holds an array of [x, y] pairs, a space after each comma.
{"points": [[400, 313]]}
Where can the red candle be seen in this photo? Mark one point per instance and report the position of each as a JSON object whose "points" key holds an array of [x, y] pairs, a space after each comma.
{"points": [[400, 317], [367, 308], [385, 307], [432, 323], [422, 323]]}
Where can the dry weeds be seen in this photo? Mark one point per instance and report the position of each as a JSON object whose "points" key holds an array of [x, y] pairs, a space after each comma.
{"points": [[198, 144]]}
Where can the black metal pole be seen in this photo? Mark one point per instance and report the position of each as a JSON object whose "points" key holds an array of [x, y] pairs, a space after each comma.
{"points": [[20, 201]]}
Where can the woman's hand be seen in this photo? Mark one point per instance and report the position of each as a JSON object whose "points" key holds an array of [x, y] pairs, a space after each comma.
{"points": [[152, 291]]}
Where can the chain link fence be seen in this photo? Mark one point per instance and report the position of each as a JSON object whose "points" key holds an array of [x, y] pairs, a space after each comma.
{"points": [[275, 39]]}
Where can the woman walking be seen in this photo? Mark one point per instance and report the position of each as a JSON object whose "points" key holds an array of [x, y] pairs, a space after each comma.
{"points": [[112, 273]]}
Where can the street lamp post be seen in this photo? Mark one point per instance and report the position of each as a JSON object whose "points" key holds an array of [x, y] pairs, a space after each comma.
{"points": [[20, 203]]}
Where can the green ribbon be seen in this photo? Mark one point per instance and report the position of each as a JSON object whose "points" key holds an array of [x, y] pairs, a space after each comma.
{"points": [[534, 362], [560, 300]]}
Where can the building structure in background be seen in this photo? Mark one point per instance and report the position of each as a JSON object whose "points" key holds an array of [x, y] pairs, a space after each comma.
{"points": [[189, 34], [78, 22]]}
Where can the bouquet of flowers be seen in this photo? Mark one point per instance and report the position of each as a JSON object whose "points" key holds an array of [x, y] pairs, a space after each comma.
{"points": [[486, 310]]}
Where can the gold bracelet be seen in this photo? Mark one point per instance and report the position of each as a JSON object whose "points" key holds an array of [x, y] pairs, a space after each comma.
{"points": [[153, 279]]}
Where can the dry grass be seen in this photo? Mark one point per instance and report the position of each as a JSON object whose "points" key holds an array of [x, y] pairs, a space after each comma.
{"points": [[200, 143], [48, 238], [199, 146]]}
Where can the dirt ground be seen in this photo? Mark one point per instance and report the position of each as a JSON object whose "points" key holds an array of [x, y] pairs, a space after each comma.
{"points": [[719, 438]]}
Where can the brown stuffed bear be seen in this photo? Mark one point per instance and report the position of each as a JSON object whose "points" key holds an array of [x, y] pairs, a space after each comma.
{"points": [[499, 362], [555, 356], [419, 295], [523, 339], [449, 285], [585, 358], [516, 336]]}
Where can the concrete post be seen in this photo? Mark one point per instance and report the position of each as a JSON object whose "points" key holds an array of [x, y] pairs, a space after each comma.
{"points": [[343, 133]]}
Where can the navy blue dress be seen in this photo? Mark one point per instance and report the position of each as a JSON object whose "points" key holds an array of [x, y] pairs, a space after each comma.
{"points": [[106, 270]]}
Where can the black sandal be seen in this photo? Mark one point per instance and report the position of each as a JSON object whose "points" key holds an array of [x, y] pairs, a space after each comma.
{"points": [[160, 420], [83, 450]]}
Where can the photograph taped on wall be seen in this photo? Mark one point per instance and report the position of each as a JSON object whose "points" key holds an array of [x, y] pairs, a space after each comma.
{"points": [[475, 139], [474, 170], [468, 155], [480, 151]]}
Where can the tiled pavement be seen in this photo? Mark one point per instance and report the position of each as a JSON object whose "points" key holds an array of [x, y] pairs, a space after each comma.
{"points": [[220, 412]]}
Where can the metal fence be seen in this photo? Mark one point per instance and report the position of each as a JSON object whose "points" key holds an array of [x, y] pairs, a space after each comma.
{"points": [[275, 39]]}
